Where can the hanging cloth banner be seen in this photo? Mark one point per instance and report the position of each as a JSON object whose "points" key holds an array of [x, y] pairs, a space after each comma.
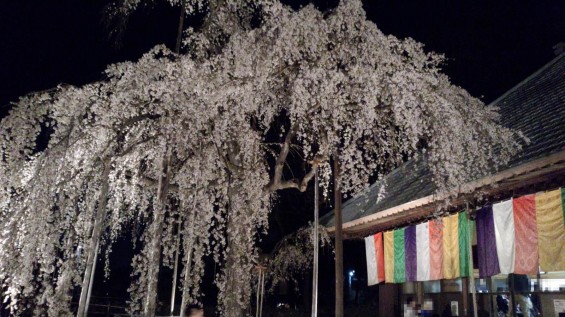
{"points": [[370, 254], [551, 230], [375, 258], [388, 241], [486, 243], [465, 226], [451, 246], [455, 246], [514, 236], [423, 251], [504, 233], [436, 249], [399, 256], [380, 254], [411, 255], [526, 245]]}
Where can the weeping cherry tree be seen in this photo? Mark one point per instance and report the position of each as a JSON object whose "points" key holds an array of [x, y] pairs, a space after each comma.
{"points": [[202, 140]]}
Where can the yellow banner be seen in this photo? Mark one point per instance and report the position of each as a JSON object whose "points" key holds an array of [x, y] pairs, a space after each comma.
{"points": [[389, 256], [451, 247], [551, 230]]}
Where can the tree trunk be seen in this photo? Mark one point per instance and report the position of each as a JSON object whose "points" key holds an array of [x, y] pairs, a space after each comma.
{"points": [[188, 264], [338, 242], [154, 256], [233, 282], [181, 26], [94, 240], [175, 270]]}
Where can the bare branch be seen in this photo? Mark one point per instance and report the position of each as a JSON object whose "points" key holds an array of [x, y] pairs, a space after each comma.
{"points": [[301, 185]]}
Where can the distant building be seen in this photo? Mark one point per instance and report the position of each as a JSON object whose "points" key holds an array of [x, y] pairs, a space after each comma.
{"points": [[536, 107]]}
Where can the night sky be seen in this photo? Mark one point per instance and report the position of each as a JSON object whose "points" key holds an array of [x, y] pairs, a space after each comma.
{"points": [[490, 45]]}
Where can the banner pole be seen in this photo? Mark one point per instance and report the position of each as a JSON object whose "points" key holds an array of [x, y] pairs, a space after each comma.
{"points": [[471, 264], [316, 247]]}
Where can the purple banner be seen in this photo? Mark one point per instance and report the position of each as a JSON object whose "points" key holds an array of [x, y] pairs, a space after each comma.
{"points": [[486, 243], [411, 255]]}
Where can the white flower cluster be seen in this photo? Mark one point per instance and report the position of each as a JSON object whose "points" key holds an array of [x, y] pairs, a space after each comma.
{"points": [[188, 139]]}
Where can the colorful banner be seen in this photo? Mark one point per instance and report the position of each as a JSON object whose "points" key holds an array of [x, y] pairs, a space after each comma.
{"points": [[370, 255], [389, 256], [451, 247], [486, 243], [464, 229], [423, 252], [375, 258], [526, 245], [436, 249], [504, 234], [399, 257], [551, 230], [380, 254], [411, 255], [518, 235]]}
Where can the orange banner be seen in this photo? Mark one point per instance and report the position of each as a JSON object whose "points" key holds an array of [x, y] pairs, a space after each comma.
{"points": [[436, 249], [526, 245]]}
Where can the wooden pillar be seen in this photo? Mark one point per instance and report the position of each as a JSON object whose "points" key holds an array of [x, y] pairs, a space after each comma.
{"points": [[465, 294], [420, 293], [471, 287], [338, 242], [389, 301]]}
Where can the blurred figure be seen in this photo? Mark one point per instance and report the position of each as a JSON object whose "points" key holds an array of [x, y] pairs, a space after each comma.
{"points": [[410, 309], [520, 284], [502, 305]]}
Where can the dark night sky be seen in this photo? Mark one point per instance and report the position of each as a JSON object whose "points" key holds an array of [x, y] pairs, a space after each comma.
{"points": [[491, 46]]}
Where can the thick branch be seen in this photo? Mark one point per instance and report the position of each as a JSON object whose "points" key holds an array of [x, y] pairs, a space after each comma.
{"points": [[301, 185], [281, 159]]}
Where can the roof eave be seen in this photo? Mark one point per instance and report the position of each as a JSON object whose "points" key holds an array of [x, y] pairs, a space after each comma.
{"points": [[424, 207]]}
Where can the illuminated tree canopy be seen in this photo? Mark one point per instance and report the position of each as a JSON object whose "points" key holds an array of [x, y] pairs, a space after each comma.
{"points": [[186, 139]]}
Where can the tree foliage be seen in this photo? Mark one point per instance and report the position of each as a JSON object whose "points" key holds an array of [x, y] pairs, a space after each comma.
{"points": [[322, 83]]}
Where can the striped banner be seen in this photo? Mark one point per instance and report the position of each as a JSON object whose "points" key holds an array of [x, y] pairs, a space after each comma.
{"points": [[518, 236], [455, 246]]}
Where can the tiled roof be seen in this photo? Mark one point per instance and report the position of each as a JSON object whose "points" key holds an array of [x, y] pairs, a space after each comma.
{"points": [[536, 106]]}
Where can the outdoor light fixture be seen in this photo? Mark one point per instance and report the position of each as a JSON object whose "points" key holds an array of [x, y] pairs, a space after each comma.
{"points": [[351, 274]]}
